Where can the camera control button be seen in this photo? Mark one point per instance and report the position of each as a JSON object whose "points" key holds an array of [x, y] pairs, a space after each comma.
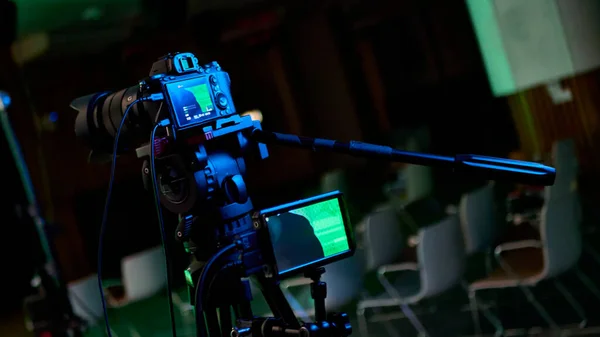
{"points": [[222, 101]]}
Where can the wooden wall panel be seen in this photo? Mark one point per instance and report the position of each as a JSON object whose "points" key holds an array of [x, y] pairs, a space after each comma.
{"points": [[540, 122], [370, 67]]}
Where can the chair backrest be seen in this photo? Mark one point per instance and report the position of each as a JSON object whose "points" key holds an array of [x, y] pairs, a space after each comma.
{"points": [[418, 178], [383, 241], [143, 273], [564, 155], [560, 234], [334, 180], [419, 140], [564, 159], [441, 256], [419, 182], [478, 219], [344, 280], [86, 299]]}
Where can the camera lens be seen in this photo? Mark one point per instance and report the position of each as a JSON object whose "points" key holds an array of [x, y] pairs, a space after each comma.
{"points": [[100, 114]]}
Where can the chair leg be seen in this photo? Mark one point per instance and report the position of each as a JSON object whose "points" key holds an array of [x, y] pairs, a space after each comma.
{"points": [[475, 313], [406, 310], [572, 301], [362, 323], [412, 318], [587, 282], [474, 308], [387, 325], [538, 307]]}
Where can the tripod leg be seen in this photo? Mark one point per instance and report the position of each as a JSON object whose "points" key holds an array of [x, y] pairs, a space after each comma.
{"points": [[225, 319], [212, 322], [244, 308], [277, 302]]}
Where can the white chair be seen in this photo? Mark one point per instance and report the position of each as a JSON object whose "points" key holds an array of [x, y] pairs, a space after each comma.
{"points": [[335, 180], [414, 182], [383, 243], [383, 240], [85, 299], [478, 219], [479, 223], [143, 274], [564, 157], [439, 267], [419, 179], [523, 264]]}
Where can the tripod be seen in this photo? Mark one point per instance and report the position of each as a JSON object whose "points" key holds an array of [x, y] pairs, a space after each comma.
{"points": [[205, 185], [217, 229], [50, 310]]}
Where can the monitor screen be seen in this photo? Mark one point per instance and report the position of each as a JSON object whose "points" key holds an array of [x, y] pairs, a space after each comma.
{"points": [[308, 235], [191, 101]]}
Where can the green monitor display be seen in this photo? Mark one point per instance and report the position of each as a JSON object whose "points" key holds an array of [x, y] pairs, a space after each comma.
{"points": [[191, 101], [309, 233]]}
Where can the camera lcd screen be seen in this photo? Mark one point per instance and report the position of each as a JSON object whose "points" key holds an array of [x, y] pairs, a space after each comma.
{"points": [[309, 235], [191, 101]]}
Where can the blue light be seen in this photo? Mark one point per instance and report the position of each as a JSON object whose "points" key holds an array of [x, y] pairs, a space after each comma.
{"points": [[53, 117], [5, 99]]}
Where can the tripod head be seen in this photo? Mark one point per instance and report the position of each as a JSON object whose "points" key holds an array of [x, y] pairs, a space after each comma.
{"points": [[195, 163]]}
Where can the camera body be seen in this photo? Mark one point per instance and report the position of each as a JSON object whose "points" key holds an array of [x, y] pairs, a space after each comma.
{"points": [[195, 94], [199, 166]]}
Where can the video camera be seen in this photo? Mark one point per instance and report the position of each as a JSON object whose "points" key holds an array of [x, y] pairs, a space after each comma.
{"points": [[195, 165], [195, 95]]}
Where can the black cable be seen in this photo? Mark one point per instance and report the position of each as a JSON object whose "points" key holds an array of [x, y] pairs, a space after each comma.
{"points": [[105, 213], [200, 324], [161, 223]]}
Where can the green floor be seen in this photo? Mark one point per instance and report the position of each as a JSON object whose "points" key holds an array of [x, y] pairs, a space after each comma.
{"points": [[150, 317], [147, 318]]}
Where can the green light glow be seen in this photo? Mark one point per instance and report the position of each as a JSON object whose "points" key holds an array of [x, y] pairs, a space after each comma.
{"points": [[188, 278], [36, 16], [490, 43], [326, 219], [202, 96]]}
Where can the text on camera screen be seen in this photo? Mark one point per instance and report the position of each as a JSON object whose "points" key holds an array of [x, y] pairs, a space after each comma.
{"points": [[191, 101]]}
